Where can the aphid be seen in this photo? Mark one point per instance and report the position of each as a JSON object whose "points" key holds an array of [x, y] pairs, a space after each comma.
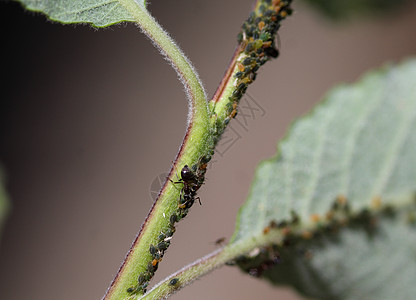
{"points": [[239, 74], [152, 250], [131, 290], [272, 52], [315, 218], [376, 202], [219, 241], [150, 267], [163, 246], [249, 48], [173, 281], [247, 61], [307, 235], [341, 200], [144, 286], [141, 279], [169, 232], [155, 262], [240, 67], [173, 219]]}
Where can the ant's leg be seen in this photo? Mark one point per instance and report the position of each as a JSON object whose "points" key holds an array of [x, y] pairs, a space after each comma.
{"points": [[199, 200]]}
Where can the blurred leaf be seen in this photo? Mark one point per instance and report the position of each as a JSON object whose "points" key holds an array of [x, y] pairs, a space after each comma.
{"points": [[99, 13], [353, 264], [4, 203], [337, 9], [359, 145]]}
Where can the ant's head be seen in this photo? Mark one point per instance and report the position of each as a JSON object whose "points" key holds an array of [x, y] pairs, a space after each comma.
{"points": [[186, 173]]}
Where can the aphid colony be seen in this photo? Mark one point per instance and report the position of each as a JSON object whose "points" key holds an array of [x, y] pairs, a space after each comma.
{"points": [[257, 38], [300, 241], [191, 180]]}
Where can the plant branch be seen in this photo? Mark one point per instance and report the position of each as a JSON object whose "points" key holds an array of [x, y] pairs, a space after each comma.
{"points": [[206, 265], [163, 214], [256, 47]]}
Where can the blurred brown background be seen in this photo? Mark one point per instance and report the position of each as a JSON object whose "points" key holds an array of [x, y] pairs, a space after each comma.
{"points": [[90, 118]]}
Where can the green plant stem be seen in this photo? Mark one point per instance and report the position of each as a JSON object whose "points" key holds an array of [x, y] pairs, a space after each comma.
{"points": [[193, 146], [209, 263], [202, 133]]}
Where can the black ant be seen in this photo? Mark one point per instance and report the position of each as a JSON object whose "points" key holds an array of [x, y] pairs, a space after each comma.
{"points": [[190, 186]]}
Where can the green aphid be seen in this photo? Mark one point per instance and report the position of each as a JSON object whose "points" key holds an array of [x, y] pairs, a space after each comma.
{"points": [[258, 44], [240, 37], [265, 36]]}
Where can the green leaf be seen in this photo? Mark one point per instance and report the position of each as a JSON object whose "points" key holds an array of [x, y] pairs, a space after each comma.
{"points": [[100, 13], [337, 9], [353, 264], [359, 147], [4, 203]]}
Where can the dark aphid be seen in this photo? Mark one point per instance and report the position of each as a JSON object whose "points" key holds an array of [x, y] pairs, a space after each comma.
{"points": [[158, 255], [247, 61], [241, 86], [144, 286], [205, 159], [147, 276], [161, 237], [141, 278], [173, 281], [152, 250], [272, 52], [150, 268], [169, 232], [162, 246], [220, 241], [173, 219], [131, 290], [249, 48], [239, 74], [236, 94]]}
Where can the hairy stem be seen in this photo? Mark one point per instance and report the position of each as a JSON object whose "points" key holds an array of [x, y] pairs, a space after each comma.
{"points": [[159, 219], [256, 47], [207, 264]]}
